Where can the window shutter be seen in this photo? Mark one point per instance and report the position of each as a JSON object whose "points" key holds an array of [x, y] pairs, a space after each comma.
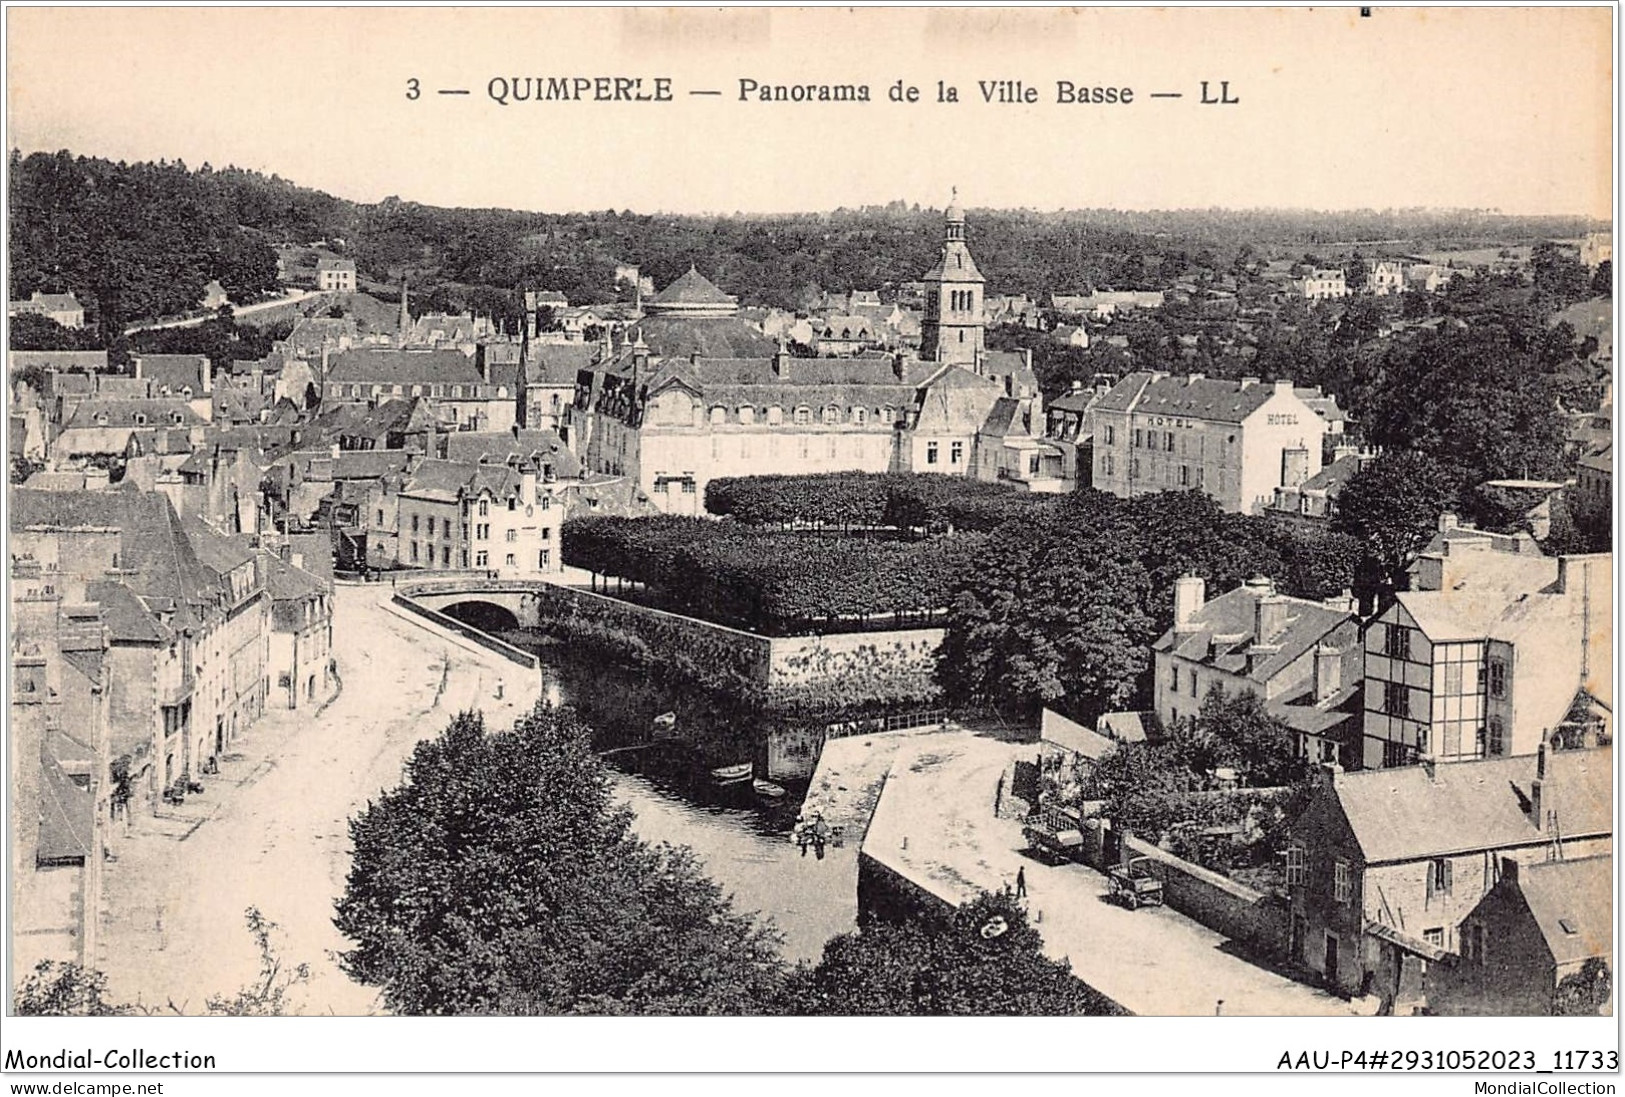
{"points": [[1449, 869], [1432, 872]]}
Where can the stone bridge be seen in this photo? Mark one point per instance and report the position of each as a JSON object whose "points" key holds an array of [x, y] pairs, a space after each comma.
{"points": [[476, 599]]}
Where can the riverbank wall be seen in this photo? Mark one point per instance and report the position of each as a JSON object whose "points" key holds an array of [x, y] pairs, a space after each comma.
{"points": [[830, 671]]}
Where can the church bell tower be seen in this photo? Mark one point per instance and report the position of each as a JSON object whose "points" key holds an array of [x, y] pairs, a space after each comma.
{"points": [[952, 329]]}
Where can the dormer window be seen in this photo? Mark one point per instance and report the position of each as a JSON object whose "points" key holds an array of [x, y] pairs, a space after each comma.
{"points": [[186, 391], [140, 419]]}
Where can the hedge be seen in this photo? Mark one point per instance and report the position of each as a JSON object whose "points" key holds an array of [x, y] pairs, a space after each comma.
{"points": [[863, 500], [768, 581]]}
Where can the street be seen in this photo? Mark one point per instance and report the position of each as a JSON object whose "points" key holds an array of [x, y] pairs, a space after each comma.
{"points": [[935, 825], [293, 297], [270, 831]]}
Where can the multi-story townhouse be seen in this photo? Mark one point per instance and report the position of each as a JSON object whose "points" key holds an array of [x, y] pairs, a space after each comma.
{"points": [[1236, 441]]}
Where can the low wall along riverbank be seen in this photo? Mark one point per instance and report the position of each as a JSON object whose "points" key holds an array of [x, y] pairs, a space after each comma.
{"points": [[831, 672]]}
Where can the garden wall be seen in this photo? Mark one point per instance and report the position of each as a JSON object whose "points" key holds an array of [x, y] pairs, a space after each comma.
{"points": [[1216, 901]]}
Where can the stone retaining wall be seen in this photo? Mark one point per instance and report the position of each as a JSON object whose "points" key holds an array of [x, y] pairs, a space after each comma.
{"points": [[1218, 902]]}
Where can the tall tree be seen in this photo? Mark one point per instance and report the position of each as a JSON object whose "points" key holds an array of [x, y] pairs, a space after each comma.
{"points": [[1392, 507]]}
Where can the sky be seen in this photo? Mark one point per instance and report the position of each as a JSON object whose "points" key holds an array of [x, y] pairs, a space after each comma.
{"points": [[1484, 108]]}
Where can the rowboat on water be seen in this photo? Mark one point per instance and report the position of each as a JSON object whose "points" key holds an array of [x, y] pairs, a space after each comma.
{"points": [[767, 789], [729, 775]]}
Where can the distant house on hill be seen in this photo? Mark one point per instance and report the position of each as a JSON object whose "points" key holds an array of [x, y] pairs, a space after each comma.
{"points": [[64, 308], [335, 275]]}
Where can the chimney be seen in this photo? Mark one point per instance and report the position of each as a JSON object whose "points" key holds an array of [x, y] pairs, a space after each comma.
{"points": [[1190, 594], [1270, 618], [1328, 672], [1429, 572], [1448, 521], [1248, 382], [284, 552], [1195, 377], [333, 450], [1077, 386], [899, 366], [1342, 603], [781, 360], [1283, 385], [1329, 773], [527, 483], [1294, 467]]}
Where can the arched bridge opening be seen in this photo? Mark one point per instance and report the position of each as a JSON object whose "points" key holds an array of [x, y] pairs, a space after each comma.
{"points": [[488, 617]]}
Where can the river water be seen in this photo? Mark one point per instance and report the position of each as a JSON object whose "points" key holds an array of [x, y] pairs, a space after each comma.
{"points": [[742, 837]]}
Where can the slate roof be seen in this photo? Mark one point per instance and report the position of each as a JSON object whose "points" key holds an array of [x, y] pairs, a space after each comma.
{"points": [[693, 288], [153, 546], [1225, 627], [67, 814], [404, 367], [1332, 477], [127, 618], [1206, 398], [955, 401], [286, 583], [710, 337], [1484, 588], [1079, 401], [219, 552], [174, 371], [124, 413], [558, 363], [111, 386], [508, 446], [1323, 404], [1573, 903], [1402, 814], [163, 442], [315, 551], [444, 480]]}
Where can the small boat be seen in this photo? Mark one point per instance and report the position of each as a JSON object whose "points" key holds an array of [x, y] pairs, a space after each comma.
{"points": [[767, 789], [666, 720], [730, 775]]}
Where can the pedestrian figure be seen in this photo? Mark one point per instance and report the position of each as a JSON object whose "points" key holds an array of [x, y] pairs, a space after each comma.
{"points": [[1021, 882]]}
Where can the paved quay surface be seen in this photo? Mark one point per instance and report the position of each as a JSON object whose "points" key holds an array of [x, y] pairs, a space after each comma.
{"points": [[935, 826], [270, 831]]}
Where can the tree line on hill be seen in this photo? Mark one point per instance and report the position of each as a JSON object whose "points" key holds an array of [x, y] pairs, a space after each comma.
{"points": [[143, 239], [136, 241]]}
